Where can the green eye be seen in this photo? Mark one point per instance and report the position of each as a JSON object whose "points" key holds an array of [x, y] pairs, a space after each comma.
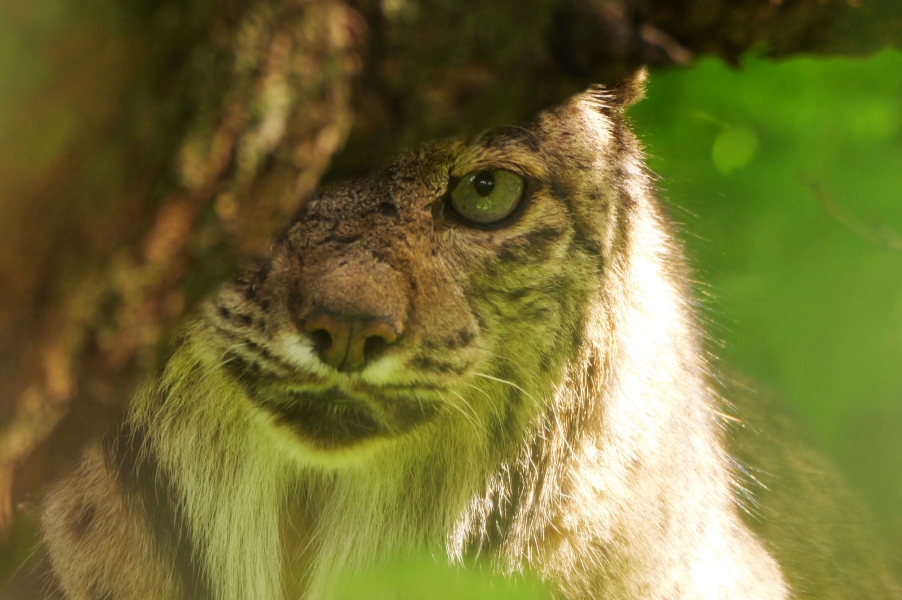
{"points": [[486, 197]]}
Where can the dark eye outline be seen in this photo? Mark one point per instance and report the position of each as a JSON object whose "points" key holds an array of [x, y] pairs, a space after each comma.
{"points": [[449, 210]]}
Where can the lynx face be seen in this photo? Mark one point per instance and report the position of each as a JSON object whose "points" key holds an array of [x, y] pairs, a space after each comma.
{"points": [[448, 286]]}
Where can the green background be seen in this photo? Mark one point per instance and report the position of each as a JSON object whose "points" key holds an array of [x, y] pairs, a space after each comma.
{"points": [[755, 163]]}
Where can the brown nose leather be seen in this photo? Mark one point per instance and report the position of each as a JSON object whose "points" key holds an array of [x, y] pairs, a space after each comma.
{"points": [[347, 344], [351, 309]]}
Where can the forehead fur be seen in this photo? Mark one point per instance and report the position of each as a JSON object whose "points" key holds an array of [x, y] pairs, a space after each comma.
{"points": [[577, 134]]}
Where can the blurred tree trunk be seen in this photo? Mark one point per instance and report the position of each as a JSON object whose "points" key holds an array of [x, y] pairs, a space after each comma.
{"points": [[146, 145]]}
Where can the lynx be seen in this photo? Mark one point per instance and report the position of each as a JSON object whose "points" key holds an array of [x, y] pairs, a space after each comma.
{"points": [[487, 348]]}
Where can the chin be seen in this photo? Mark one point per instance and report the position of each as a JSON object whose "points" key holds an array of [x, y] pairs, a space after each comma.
{"points": [[331, 429]]}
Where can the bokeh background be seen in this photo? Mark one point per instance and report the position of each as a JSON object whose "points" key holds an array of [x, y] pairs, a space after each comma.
{"points": [[787, 180]]}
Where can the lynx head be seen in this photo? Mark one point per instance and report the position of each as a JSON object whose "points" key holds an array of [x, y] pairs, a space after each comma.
{"points": [[446, 292]]}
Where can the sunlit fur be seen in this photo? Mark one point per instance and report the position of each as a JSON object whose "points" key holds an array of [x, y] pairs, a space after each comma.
{"points": [[567, 425]]}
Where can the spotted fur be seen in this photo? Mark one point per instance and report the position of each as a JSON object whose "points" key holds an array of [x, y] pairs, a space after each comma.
{"points": [[546, 403]]}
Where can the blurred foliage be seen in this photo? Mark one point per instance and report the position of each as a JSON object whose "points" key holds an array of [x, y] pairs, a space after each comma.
{"points": [[424, 579], [786, 179]]}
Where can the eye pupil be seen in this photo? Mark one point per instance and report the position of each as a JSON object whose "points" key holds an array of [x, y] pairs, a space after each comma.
{"points": [[484, 183], [487, 197]]}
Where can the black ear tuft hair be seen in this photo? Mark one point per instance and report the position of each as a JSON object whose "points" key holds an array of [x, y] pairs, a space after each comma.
{"points": [[620, 95], [631, 89]]}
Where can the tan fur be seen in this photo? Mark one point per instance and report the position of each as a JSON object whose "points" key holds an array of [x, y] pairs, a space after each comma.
{"points": [[96, 543], [546, 403]]}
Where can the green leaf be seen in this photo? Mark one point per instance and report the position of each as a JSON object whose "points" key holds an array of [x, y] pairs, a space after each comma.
{"points": [[734, 149]]}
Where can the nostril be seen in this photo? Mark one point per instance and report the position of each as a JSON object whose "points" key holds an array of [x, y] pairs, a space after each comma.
{"points": [[367, 342], [329, 337], [374, 346], [322, 340]]}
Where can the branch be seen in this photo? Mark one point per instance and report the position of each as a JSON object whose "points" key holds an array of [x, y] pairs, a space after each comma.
{"points": [[878, 234]]}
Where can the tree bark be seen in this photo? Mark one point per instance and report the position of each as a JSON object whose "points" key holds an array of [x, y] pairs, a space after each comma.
{"points": [[146, 147]]}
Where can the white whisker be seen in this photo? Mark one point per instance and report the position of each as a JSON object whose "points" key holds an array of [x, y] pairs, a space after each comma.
{"points": [[461, 411], [495, 408], [489, 352], [554, 415], [466, 405], [510, 383]]}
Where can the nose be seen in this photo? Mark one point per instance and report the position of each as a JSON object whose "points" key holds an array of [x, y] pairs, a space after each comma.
{"points": [[351, 309], [348, 343]]}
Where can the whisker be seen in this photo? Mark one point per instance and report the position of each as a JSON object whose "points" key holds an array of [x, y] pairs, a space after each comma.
{"points": [[225, 359], [461, 411], [466, 405], [243, 343], [554, 414], [563, 435], [496, 410], [229, 356], [480, 390], [510, 383], [489, 352]]}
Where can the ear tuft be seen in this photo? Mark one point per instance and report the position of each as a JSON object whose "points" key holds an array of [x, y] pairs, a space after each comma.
{"points": [[622, 94], [631, 89]]}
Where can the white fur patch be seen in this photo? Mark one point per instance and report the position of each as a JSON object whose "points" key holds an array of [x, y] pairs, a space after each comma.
{"points": [[386, 370], [299, 352]]}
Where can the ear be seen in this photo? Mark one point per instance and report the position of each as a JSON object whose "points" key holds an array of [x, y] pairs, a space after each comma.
{"points": [[630, 89], [620, 95]]}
